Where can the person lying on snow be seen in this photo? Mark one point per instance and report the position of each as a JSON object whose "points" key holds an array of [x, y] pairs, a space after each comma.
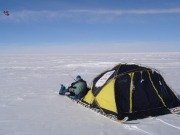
{"points": [[77, 90]]}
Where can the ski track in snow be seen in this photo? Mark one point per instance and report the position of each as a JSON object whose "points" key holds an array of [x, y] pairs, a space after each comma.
{"points": [[30, 104], [171, 125], [133, 127]]}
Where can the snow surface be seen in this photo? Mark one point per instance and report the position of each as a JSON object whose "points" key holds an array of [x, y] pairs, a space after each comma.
{"points": [[30, 104]]}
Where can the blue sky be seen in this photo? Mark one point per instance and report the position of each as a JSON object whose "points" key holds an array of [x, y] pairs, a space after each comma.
{"points": [[76, 26]]}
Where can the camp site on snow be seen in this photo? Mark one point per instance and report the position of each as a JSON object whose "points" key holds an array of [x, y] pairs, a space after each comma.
{"points": [[129, 92]]}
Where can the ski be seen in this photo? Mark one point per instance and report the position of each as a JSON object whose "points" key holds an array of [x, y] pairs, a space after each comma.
{"points": [[99, 111]]}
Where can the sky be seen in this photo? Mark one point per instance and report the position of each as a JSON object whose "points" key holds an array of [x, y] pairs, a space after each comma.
{"points": [[86, 26]]}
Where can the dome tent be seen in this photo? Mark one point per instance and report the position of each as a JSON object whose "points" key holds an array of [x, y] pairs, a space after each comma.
{"points": [[131, 90]]}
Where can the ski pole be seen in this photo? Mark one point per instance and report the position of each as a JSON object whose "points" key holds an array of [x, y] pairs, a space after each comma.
{"points": [[71, 77]]}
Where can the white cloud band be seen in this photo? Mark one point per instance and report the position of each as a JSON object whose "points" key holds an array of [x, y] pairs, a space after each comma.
{"points": [[27, 15]]}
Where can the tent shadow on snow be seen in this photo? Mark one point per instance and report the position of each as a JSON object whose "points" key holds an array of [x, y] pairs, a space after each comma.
{"points": [[131, 90]]}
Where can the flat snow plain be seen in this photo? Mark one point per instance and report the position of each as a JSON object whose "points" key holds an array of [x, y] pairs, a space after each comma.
{"points": [[30, 104]]}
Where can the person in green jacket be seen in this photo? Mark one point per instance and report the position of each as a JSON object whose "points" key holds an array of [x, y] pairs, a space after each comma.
{"points": [[78, 89]]}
